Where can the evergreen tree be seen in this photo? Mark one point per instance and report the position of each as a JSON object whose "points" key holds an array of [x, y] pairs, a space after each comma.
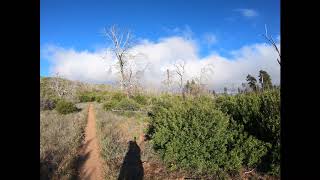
{"points": [[191, 88], [252, 82], [265, 80]]}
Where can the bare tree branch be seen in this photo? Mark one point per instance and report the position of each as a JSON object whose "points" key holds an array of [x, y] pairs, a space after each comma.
{"points": [[180, 70], [121, 52], [124, 53], [249, 171], [168, 80], [271, 41]]}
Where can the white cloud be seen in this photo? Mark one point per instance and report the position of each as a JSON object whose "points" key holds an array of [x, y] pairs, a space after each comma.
{"points": [[249, 13], [90, 67], [84, 66]]}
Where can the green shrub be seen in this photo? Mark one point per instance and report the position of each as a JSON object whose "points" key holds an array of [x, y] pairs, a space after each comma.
{"points": [[259, 113], [141, 99], [64, 107], [109, 105], [128, 104], [90, 97], [195, 135], [86, 97], [98, 98], [118, 96]]}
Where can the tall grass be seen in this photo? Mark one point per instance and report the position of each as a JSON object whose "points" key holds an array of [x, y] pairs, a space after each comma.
{"points": [[114, 132], [60, 137]]}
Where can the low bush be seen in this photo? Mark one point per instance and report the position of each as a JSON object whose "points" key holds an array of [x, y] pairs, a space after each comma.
{"points": [[118, 96], [259, 113], [47, 104], [90, 97], [64, 107], [141, 99], [86, 98], [194, 135], [248, 148], [128, 104], [109, 105]]}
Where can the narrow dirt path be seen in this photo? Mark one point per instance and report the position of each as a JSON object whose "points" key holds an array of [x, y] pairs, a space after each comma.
{"points": [[91, 166]]}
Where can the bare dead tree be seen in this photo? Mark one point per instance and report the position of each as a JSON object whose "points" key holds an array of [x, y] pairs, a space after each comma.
{"points": [[203, 76], [135, 76], [64, 88], [133, 81], [168, 80], [122, 49], [180, 70], [58, 85], [273, 44]]}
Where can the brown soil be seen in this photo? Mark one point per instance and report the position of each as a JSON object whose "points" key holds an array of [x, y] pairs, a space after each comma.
{"points": [[91, 165]]}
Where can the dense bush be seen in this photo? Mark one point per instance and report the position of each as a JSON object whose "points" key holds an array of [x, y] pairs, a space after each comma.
{"points": [[259, 113], [86, 98], [109, 105], [141, 99], [248, 149], [64, 107], [90, 97], [47, 104], [195, 135], [118, 96], [127, 104]]}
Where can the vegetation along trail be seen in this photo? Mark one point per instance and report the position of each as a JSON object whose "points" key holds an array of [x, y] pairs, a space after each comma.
{"points": [[91, 165]]}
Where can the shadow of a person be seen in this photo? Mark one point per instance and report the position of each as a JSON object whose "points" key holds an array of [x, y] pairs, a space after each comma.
{"points": [[132, 168]]}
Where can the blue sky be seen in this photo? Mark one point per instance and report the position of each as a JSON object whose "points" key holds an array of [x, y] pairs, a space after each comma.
{"points": [[215, 26]]}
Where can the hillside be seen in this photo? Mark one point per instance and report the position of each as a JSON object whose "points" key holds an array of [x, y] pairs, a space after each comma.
{"points": [[165, 135]]}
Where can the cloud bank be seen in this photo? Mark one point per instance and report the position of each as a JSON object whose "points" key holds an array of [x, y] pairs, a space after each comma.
{"points": [[99, 66]]}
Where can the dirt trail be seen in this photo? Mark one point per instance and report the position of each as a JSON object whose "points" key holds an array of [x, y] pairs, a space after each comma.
{"points": [[91, 166]]}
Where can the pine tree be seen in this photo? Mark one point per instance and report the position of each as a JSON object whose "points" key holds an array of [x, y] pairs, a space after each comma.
{"points": [[265, 80], [252, 82]]}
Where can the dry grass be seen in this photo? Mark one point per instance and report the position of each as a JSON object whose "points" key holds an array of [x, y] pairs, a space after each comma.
{"points": [[114, 133], [115, 130], [60, 137]]}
